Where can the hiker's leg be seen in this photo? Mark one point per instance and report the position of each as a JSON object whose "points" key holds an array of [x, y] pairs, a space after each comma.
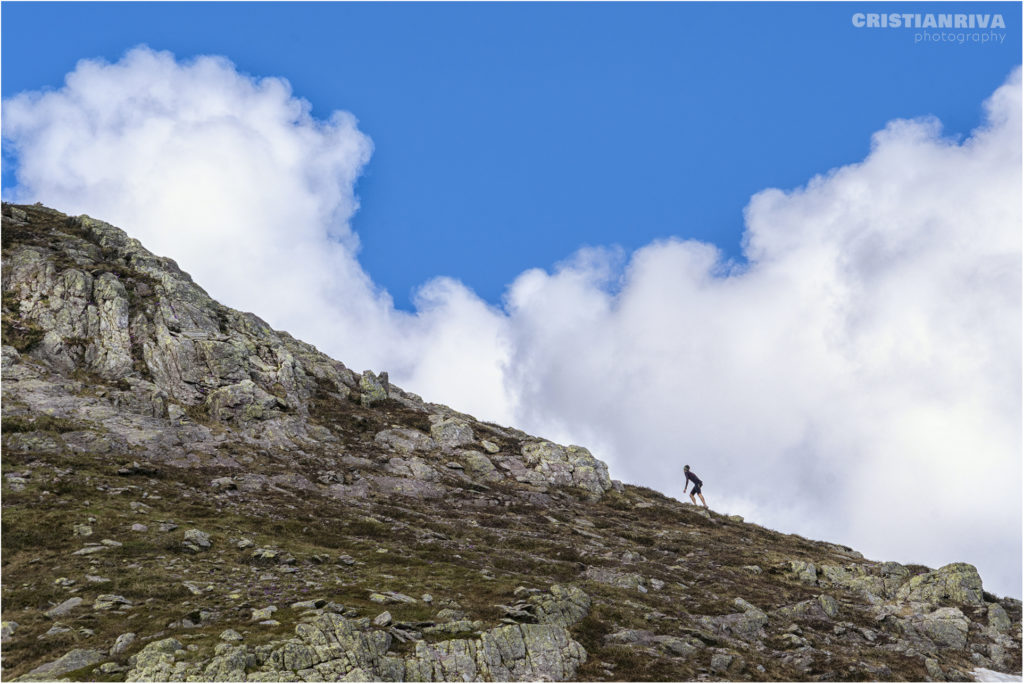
{"points": [[702, 500], [693, 500]]}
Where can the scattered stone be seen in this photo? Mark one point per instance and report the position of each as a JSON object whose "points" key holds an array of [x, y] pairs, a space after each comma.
{"points": [[266, 555], [270, 623], [82, 530], [7, 630], [122, 644], [345, 559], [245, 544], [720, 662], [196, 540], [735, 518], [110, 602], [382, 620], [490, 447], [89, 550], [427, 598], [656, 584], [139, 527], [64, 608], [58, 628], [230, 635], [111, 543], [111, 668], [263, 613], [97, 579], [167, 527]]}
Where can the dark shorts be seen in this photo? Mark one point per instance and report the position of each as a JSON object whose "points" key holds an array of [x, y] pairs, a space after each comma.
{"points": [[696, 489]]}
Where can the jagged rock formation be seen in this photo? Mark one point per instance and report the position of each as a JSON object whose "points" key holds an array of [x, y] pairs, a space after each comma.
{"points": [[191, 495]]}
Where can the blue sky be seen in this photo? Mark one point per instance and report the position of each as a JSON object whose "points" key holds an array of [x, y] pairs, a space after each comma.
{"points": [[507, 135], [555, 195]]}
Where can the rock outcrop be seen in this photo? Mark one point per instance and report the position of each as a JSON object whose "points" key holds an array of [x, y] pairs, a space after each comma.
{"points": [[190, 495]]}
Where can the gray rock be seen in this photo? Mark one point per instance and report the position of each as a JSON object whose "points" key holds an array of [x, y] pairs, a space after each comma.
{"points": [[7, 630], [452, 433], [946, 627], [196, 540], [230, 635], [260, 614], [720, 662], [804, 571], [479, 467], [382, 620], [64, 608], [616, 578], [998, 621], [122, 644], [110, 602], [935, 672], [404, 440], [73, 660], [373, 390]]}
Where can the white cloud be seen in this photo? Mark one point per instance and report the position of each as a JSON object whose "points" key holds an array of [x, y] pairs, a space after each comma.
{"points": [[857, 380]]}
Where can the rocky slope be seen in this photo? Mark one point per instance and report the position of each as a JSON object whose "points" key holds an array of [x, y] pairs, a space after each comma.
{"points": [[191, 495]]}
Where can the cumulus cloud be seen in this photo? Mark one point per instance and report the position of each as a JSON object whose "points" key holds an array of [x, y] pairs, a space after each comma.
{"points": [[856, 379]]}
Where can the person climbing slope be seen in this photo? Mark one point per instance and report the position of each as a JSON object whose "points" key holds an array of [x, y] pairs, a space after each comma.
{"points": [[697, 484]]}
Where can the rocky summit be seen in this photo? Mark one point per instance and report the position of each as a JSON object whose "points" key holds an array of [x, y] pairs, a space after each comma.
{"points": [[190, 495]]}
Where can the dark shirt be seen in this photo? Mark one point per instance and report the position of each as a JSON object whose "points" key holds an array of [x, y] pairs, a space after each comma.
{"points": [[693, 478]]}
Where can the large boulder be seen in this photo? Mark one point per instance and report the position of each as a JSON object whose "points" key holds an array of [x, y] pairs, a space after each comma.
{"points": [[956, 583], [946, 627]]}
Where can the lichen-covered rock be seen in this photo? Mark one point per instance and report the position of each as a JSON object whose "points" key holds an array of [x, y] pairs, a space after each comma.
{"points": [[946, 627], [804, 571], [452, 433], [7, 630], [563, 605], [958, 583], [155, 662], [373, 390], [998, 620], [479, 467]]}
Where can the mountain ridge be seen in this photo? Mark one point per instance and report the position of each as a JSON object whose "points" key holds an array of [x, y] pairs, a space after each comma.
{"points": [[296, 476]]}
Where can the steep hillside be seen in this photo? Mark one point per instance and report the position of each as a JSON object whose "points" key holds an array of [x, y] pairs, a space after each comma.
{"points": [[191, 495]]}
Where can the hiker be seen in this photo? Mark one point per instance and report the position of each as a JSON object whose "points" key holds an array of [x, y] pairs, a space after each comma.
{"points": [[690, 477]]}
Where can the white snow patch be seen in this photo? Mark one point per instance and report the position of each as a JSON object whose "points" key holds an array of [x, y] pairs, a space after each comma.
{"points": [[983, 675]]}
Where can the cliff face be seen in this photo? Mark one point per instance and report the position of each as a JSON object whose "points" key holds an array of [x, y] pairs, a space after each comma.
{"points": [[189, 494]]}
